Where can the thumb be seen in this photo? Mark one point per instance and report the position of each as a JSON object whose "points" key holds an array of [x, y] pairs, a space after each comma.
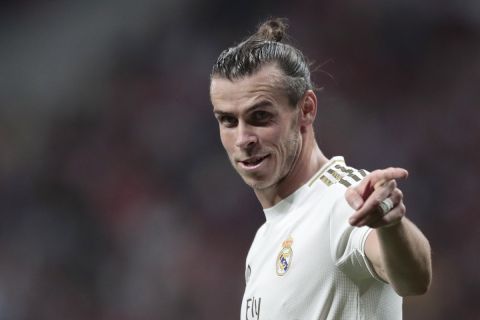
{"points": [[354, 198]]}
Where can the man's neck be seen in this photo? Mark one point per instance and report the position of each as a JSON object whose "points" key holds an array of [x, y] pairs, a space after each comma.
{"points": [[309, 161]]}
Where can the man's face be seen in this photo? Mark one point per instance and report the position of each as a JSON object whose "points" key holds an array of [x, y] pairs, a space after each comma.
{"points": [[258, 127]]}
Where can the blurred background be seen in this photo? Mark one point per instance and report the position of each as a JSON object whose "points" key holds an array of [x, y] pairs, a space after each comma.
{"points": [[116, 198]]}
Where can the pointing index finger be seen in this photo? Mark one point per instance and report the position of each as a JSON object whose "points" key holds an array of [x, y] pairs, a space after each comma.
{"points": [[388, 174], [378, 178]]}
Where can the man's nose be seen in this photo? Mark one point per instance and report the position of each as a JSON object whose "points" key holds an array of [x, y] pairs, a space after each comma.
{"points": [[246, 137]]}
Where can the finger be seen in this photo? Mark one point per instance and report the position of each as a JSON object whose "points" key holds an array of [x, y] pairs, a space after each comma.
{"points": [[372, 217], [354, 199], [392, 217], [396, 196], [380, 194], [371, 205], [379, 184], [376, 213], [377, 217], [377, 178]]}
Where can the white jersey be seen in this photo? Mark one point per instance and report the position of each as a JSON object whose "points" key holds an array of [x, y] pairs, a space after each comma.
{"points": [[308, 263]]}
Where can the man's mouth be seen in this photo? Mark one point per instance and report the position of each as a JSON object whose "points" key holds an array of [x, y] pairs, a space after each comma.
{"points": [[253, 162]]}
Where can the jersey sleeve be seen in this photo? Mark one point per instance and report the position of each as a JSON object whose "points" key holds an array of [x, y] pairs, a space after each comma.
{"points": [[347, 243]]}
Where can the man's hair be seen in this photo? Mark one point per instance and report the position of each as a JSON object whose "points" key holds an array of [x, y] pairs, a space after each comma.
{"points": [[264, 47]]}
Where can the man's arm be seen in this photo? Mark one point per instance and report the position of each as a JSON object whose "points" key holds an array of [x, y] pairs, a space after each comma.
{"points": [[397, 249]]}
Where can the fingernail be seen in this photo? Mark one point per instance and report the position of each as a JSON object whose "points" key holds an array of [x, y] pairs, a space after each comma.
{"points": [[356, 204]]}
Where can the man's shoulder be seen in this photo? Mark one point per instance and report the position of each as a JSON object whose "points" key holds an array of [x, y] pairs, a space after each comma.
{"points": [[337, 173]]}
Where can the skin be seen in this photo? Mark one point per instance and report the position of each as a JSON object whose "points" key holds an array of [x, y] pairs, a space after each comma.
{"points": [[256, 120], [271, 144], [398, 250]]}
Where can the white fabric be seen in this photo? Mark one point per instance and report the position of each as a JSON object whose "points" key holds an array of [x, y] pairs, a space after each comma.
{"points": [[328, 275]]}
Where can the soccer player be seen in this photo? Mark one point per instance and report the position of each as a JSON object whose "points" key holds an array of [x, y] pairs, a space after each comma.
{"points": [[336, 243]]}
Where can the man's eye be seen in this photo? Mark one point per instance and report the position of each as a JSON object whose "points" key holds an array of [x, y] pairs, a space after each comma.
{"points": [[261, 116], [228, 121]]}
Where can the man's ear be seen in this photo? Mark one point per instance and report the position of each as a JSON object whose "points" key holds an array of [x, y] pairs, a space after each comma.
{"points": [[308, 108]]}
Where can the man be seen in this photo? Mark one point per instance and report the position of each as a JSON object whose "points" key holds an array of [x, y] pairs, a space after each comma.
{"points": [[336, 243]]}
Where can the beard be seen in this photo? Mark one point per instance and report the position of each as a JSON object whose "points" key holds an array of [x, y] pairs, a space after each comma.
{"points": [[284, 157]]}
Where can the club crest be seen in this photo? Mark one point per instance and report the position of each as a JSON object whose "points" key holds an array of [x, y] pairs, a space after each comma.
{"points": [[284, 259]]}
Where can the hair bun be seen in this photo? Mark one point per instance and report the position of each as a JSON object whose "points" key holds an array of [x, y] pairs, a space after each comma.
{"points": [[273, 29]]}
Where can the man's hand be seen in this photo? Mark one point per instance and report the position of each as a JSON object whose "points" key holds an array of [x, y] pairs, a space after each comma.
{"points": [[367, 197]]}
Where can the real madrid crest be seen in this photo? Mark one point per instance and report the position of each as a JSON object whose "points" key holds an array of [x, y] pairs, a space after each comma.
{"points": [[284, 259]]}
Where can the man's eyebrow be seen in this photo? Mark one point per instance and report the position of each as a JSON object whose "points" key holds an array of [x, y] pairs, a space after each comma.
{"points": [[258, 105], [222, 113]]}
